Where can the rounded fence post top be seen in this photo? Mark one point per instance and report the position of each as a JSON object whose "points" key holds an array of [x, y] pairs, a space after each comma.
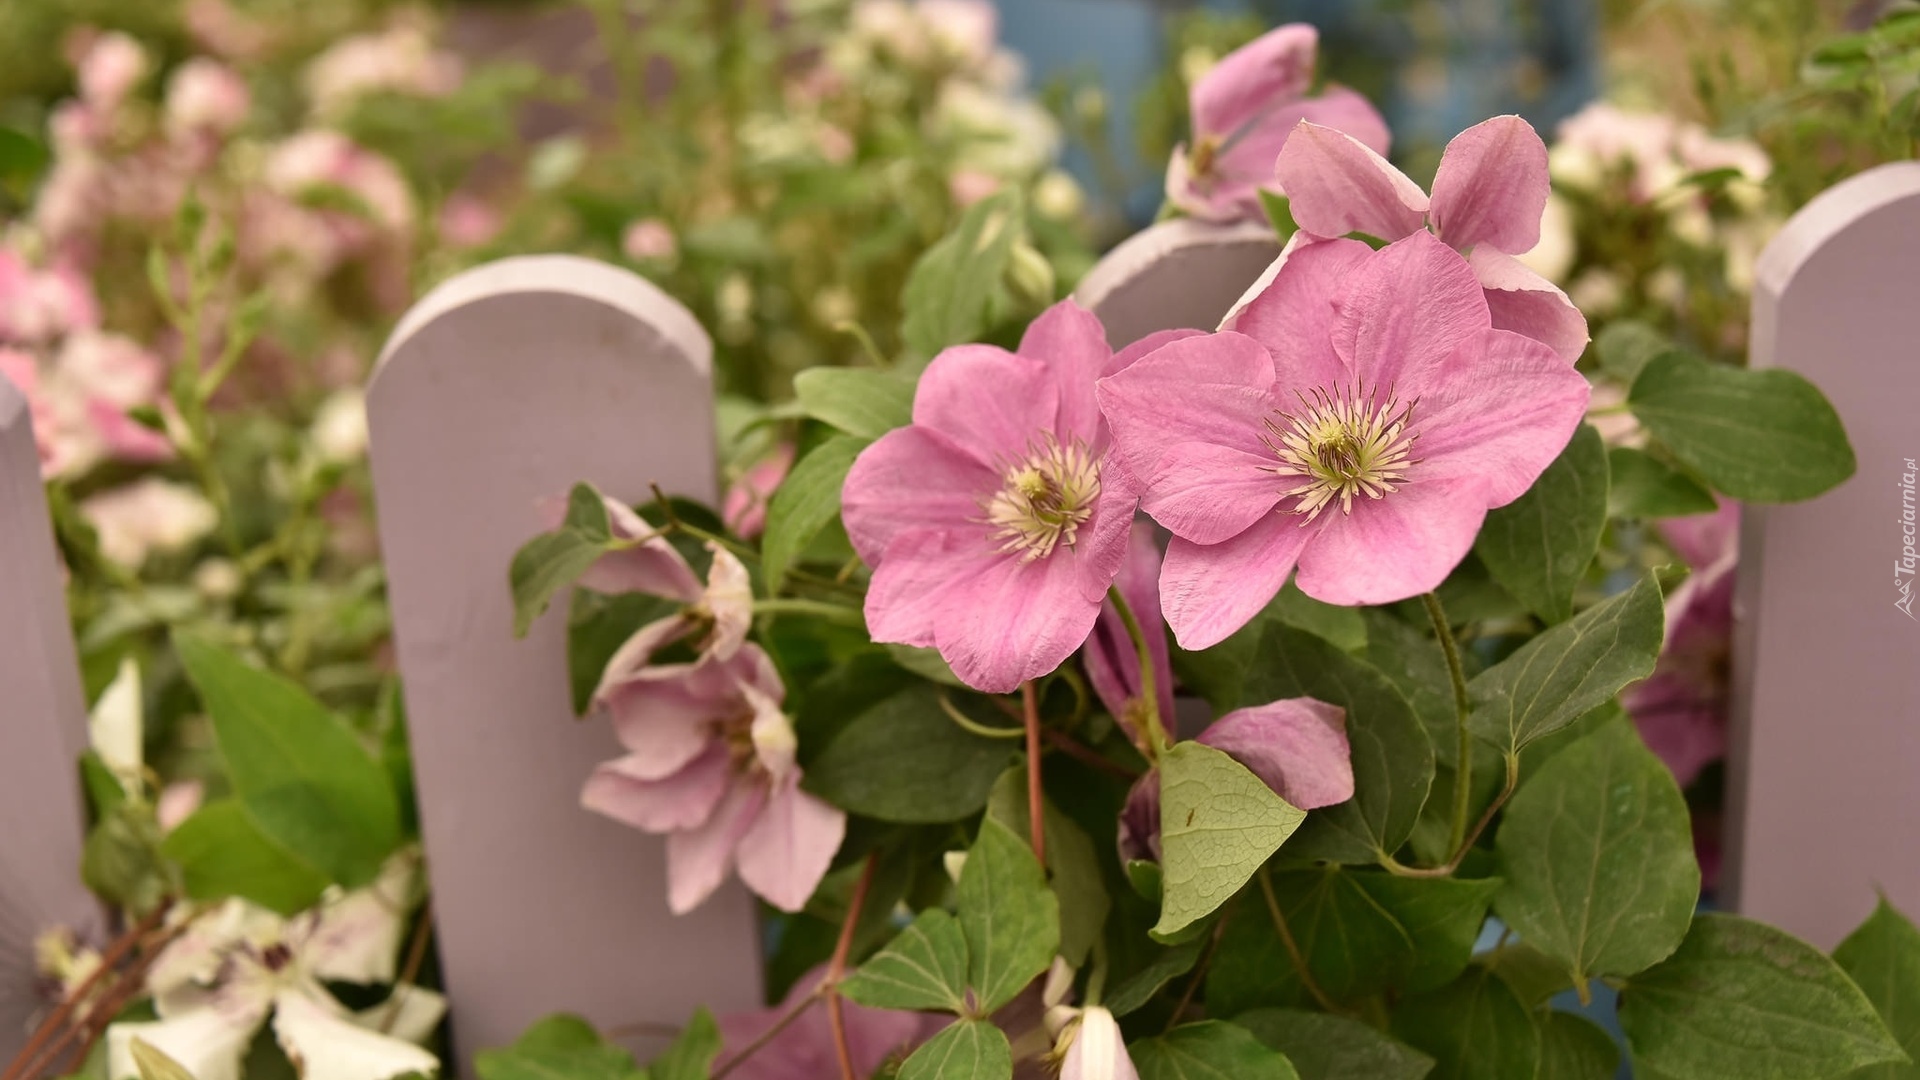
{"points": [[571, 275], [1829, 213], [1176, 274]]}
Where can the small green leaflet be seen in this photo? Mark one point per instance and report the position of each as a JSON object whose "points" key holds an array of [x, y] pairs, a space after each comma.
{"points": [[1218, 824]]}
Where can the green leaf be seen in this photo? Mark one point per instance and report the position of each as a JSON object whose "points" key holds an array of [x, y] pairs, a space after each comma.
{"points": [[1167, 964], [950, 290], [803, 504], [1573, 1048], [153, 1064], [301, 773], [1643, 486], [1010, 917], [1476, 1029], [1625, 345], [1279, 210], [559, 1047], [1883, 959], [1531, 974], [1538, 547], [1597, 852], [597, 625], [121, 859], [1570, 670], [1209, 1050], [934, 770], [964, 1050], [1073, 866], [1760, 436], [1741, 1000], [1361, 932], [1218, 824], [858, 401], [925, 967], [552, 561], [22, 157], [1324, 1047], [1392, 758], [1343, 626], [221, 854], [692, 1054]]}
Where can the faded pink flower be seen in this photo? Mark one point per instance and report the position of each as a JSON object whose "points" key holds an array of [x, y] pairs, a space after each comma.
{"points": [[969, 186], [1113, 664], [1245, 109], [805, 1050], [1296, 746], [399, 60], [207, 96], [1489, 196], [710, 763], [313, 161], [110, 66], [991, 523], [1681, 709], [649, 239], [1359, 428], [745, 508], [224, 31], [468, 221], [39, 305]]}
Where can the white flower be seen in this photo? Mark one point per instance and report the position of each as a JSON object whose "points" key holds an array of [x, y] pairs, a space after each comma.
{"points": [[114, 728], [1096, 1050], [1057, 195], [206, 95], [400, 60], [339, 431], [145, 516], [1553, 256], [239, 964]]}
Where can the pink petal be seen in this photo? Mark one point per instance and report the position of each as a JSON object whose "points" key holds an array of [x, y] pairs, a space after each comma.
{"points": [[654, 567], [682, 800], [1295, 315], [909, 593], [1204, 402], [1409, 308], [1681, 711], [1348, 110], [1336, 185], [1015, 620], [1112, 662], [1274, 67], [911, 478], [990, 402], [1244, 166], [1128, 356], [1071, 342], [1497, 413], [698, 859], [804, 1049], [634, 657], [1704, 539], [1395, 547], [745, 507], [1298, 746], [1210, 591], [1100, 549], [1099, 1052], [663, 722], [1209, 494], [1526, 303], [1492, 187], [783, 856], [1139, 830]]}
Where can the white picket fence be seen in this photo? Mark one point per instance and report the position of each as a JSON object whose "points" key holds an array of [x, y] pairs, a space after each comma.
{"points": [[512, 381]]}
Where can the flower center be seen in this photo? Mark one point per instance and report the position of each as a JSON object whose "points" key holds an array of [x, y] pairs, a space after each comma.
{"points": [[1342, 443], [1205, 148], [1044, 498]]}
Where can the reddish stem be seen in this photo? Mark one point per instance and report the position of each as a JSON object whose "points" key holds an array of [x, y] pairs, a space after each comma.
{"points": [[1036, 804], [837, 968], [36, 1047]]}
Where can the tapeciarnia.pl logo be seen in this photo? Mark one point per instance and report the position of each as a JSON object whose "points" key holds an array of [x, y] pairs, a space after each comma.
{"points": [[1903, 567]]}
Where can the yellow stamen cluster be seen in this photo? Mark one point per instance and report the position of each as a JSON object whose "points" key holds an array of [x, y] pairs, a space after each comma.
{"points": [[1044, 498], [1342, 443]]}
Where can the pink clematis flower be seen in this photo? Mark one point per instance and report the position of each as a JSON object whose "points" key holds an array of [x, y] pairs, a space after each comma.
{"points": [[1681, 710], [1113, 664], [745, 508], [804, 1049], [992, 523], [1297, 746], [710, 763], [1488, 200], [1359, 428], [1245, 109]]}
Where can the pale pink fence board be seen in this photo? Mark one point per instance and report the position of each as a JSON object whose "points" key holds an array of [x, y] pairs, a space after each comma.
{"points": [[1825, 800], [43, 719], [1177, 274], [505, 385]]}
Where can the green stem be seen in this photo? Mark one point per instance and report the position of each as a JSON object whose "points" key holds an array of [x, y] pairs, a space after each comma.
{"points": [[1462, 706], [1293, 947], [1157, 740], [821, 609], [968, 723]]}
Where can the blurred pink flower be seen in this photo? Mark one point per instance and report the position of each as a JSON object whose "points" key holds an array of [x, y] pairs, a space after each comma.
{"points": [[224, 31], [1245, 109], [149, 515], [1489, 196], [804, 1050], [968, 29], [991, 523], [401, 59], [710, 763], [314, 160], [1681, 710], [1113, 664], [108, 69], [1297, 746], [745, 509], [79, 402], [206, 96], [38, 306], [1097, 1050], [649, 240], [1300, 445], [468, 221], [969, 186]]}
